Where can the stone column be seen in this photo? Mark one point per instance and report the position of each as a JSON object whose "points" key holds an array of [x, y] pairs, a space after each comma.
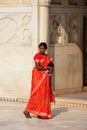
{"points": [[44, 20], [35, 27]]}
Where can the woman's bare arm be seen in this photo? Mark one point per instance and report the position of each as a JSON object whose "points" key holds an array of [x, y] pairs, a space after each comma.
{"points": [[39, 67]]}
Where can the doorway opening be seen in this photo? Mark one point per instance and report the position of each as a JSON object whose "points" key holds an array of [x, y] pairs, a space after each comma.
{"points": [[85, 51]]}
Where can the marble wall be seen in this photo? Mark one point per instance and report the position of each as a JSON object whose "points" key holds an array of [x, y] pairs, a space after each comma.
{"points": [[15, 51], [19, 42], [68, 76], [15, 2]]}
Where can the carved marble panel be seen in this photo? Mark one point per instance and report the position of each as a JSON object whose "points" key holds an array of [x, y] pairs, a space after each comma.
{"points": [[56, 29], [72, 27], [15, 28]]}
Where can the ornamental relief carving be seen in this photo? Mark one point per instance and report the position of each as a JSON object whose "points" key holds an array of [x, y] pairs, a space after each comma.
{"points": [[16, 28], [56, 29], [73, 29]]}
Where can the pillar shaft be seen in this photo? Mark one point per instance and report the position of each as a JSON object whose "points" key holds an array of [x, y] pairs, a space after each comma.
{"points": [[40, 21], [44, 20]]}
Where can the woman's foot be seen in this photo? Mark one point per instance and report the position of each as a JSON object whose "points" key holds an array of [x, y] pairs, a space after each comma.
{"points": [[27, 114], [42, 117]]}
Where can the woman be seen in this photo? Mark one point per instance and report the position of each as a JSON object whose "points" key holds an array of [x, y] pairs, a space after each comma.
{"points": [[41, 92]]}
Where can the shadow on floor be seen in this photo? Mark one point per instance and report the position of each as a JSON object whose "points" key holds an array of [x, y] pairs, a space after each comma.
{"points": [[57, 111]]}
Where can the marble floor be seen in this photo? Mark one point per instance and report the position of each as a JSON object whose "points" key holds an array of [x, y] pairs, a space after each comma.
{"points": [[64, 118]]}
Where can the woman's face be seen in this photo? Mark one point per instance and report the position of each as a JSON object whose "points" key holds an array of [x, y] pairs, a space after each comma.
{"points": [[42, 49]]}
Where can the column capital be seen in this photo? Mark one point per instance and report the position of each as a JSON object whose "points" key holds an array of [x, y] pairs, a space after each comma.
{"points": [[44, 2], [41, 2], [35, 2]]}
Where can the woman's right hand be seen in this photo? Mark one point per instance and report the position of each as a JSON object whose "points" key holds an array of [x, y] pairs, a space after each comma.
{"points": [[50, 70]]}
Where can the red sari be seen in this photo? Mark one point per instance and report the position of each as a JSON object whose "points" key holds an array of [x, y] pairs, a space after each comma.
{"points": [[41, 90]]}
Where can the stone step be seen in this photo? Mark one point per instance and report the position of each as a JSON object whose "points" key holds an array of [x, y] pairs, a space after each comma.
{"points": [[59, 101], [71, 102]]}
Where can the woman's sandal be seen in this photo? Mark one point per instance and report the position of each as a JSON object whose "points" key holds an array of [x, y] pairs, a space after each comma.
{"points": [[42, 117], [27, 114], [39, 117]]}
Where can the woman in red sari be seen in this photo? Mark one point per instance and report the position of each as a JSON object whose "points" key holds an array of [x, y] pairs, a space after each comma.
{"points": [[41, 91]]}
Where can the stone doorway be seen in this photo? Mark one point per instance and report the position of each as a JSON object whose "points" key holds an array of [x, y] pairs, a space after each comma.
{"points": [[85, 50]]}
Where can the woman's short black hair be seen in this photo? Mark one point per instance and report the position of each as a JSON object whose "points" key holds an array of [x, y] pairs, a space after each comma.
{"points": [[43, 44], [51, 64]]}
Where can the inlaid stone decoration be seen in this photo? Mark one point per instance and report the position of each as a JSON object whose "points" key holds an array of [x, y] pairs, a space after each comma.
{"points": [[55, 29], [73, 2], [73, 28], [16, 29]]}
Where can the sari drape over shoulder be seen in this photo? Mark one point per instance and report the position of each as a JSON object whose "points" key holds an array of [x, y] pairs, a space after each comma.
{"points": [[41, 89]]}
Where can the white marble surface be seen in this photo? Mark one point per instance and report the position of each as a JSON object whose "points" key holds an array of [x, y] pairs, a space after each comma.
{"points": [[68, 68], [19, 42], [16, 53], [64, 118]]}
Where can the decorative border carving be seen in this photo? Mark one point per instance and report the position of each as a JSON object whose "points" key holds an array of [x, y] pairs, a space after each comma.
{"points": [[16, 28]]}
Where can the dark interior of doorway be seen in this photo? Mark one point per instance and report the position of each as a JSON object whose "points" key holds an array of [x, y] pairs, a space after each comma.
{"points": [[85, 51]]}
